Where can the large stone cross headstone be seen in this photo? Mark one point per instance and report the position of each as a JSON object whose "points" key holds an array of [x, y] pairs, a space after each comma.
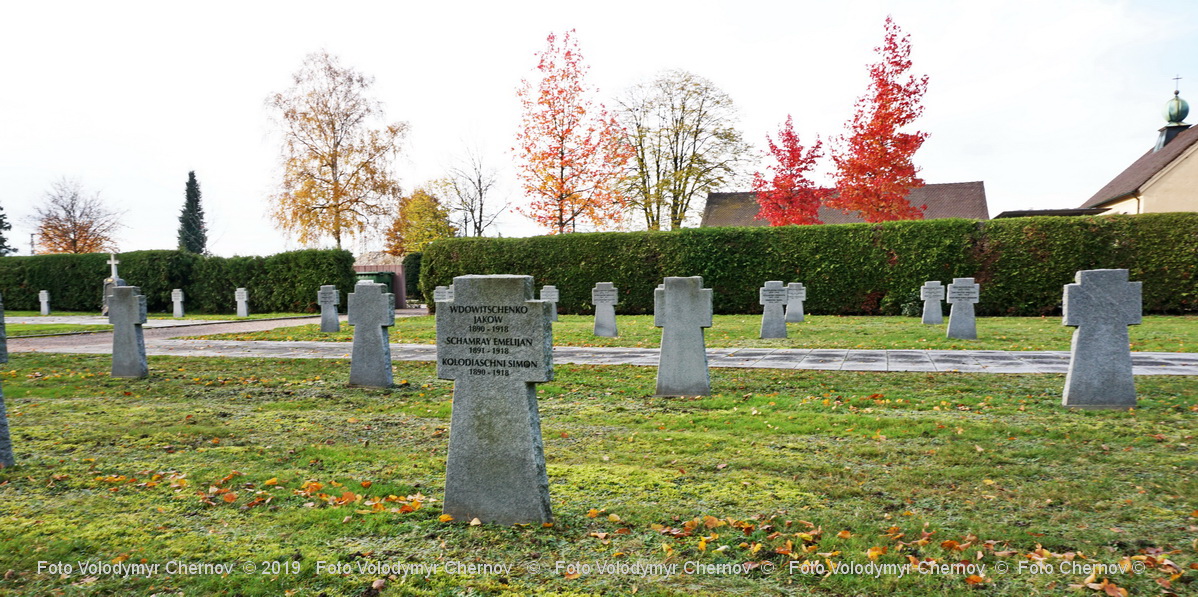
{"points": [[243, 302], [371, 312], [795, 295], [551, 295], [496, 343], [772, 297], [962, 294], [1101, 304], [112, 281], [7, 459], [177, 299], [43, 296], [605, 296], [126, 313], [328, 297], [682, 308], [931, 293]]}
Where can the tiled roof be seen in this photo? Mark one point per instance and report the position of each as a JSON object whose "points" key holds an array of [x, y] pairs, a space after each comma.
{"points": [[946, 200], [1133, 178]]}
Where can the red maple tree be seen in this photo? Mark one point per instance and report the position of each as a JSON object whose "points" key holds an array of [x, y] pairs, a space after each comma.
{"points": [[874, 168], [789, 197], [569, 150]]}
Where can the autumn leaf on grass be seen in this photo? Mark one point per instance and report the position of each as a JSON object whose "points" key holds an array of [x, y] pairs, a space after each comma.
{"points": [[974, 579], [229, 497], [844, 534], [445, 518], [875, 551]]}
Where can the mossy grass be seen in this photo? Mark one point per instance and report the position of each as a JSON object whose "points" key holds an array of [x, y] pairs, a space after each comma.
{"points": [[1158, 333], [213, 460], [37, 329]]}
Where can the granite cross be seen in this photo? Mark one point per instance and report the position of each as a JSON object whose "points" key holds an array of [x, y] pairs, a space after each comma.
{"points": [[605, 296], [243, 297], [43, 296], [551, 295], [126, 313], [795, 295], [962, 294], [496, 343], [328, 297], [177, 299], [932, 293], [371, 312], [682, 308], [1101, 304], [6, 454], [772, 297]]}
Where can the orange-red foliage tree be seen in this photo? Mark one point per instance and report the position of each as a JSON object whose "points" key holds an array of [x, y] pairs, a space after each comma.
{"points": [[789, 197], [874, 168], [569, 151]]}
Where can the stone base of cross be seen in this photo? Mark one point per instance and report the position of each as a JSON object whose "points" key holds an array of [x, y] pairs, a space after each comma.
{"points": [[1101, 304], [127, 313], [496, 343]]}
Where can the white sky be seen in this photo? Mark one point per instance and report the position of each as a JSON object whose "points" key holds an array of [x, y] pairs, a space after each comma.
{"points": [[1044, 100]]}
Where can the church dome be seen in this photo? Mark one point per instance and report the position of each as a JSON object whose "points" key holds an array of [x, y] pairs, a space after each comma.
{"points": [[1176, 109]]}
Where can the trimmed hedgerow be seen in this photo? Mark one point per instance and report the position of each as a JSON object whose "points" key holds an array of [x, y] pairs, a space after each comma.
{"points": [[1021, 263]]}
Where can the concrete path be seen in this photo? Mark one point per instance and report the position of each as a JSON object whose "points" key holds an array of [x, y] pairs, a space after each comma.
{"points": [[101, 320], [160, 341]]}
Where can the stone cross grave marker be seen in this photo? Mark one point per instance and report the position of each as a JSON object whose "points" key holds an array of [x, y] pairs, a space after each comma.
{"points": [[551, 295], [682, 308], [7, 459], [328, 297], [44, 297], [496, 343], [243, 302], [795, 295], [371, 312], [126, 313], [177, 299], [112, 281], [605, 296], [1101, 304], [962, 294], [772, 297], [932, 293], [442, 294]]}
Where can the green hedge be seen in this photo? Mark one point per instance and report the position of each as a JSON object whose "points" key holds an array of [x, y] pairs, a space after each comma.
{"points": [[1021, 263], [411, 277], [286, 282]]}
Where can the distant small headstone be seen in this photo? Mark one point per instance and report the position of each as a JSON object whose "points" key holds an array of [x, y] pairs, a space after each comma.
{"points": [[371, 312], [112, 281], [682, 308], [7, 459], [962, 294], [496, 343], [243, 302], [605, 296], [1101, 304], [795, 295], [43, 296], [328, 297], [550, 295], [442, 294], [932, 293], [177, 299], [772, 297], [126, 313]]}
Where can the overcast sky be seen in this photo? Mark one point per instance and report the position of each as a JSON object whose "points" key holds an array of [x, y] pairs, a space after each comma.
{"points": [[1043, 100]]}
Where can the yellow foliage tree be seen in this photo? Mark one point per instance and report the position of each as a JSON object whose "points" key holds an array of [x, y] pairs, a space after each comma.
{"points": [[337, 178], [421, 220], [73, 221]]}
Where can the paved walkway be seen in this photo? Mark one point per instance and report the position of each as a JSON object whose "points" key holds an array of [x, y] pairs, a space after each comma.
{"points": [[160, 341]]}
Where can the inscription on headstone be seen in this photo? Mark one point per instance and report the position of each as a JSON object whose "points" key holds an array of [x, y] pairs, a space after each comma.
{"points": [[43, 296], [795, 295], [496, 343], [932, 293], [126, 313], [243, 302], [442, 294], [7, 459], [550, 295], [962, 294], [371, 312], [605, 296], [177, 299], [682, 308], [328, 297], [772, 297], [1101, 304]]}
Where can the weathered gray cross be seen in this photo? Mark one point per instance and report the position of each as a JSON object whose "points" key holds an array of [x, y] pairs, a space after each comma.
{"points": [[328, 297], [795, 295], [127, 313], [932, 293], [496, 343], [772, 297], [6, 454], [113, 262], [605, 296], [371, 312], [1101, 304], [682, 308]]}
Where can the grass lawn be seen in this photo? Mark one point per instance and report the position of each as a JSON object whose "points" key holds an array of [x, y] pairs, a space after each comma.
{"points": [[1158, 333], [279, 470], [34, 329]]}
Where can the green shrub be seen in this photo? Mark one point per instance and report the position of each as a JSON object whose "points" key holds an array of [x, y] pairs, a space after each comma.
{"points": [[411, 273]]}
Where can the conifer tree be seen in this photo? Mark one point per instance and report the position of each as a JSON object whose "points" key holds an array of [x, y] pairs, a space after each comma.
{"points": [[193, 233]]}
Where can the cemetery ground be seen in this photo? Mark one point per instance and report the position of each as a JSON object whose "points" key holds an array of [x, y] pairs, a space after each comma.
{"points": [[304, 486], [1158, 333], [41, 329]]}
